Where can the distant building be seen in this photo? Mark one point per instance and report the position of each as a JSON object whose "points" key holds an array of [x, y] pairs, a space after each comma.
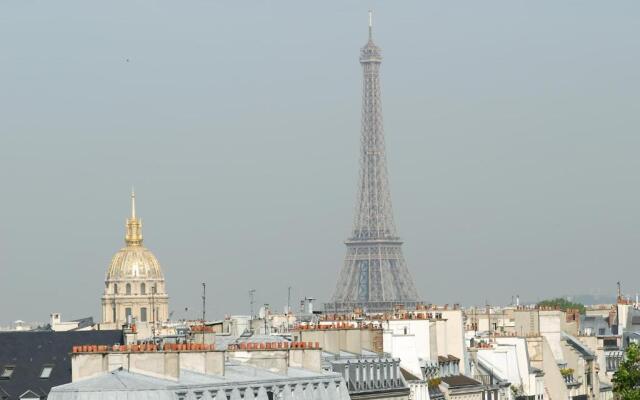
{"points": [[58, 325], [550, 354], [461, 387], [428, 343], [371, 376], [508, 364], [134, 286], [21, 326]]}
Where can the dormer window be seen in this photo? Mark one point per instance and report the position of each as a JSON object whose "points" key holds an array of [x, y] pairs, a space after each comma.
{"points": [[7, 372], [29, 394], [46, 372]]}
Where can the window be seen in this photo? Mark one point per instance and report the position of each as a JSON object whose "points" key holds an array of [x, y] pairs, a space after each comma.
{"points": [[7, 372], [128, 288], [29, 395], [46, 372], [113, 312], [127, 313], [143, 288], [181, 395], [115, 288], [143, 314]]}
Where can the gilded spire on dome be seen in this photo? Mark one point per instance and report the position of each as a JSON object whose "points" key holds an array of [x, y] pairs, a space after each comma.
{"points": [[134, 225]]}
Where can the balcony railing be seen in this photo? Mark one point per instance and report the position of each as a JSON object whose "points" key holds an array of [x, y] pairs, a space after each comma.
{"points": [[483, 378]]}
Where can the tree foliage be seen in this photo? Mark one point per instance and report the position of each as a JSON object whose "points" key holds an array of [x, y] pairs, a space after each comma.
{"points": [[434, 382], [562, 304], [566, 372], [626, 381]]}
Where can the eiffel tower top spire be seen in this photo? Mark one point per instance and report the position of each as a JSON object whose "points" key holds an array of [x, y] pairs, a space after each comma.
{"points": [[370, 52]]}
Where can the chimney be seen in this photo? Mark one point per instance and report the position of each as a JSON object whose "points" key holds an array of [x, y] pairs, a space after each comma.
{"points": [[278, 356], [305, 358], [55, 319], [88, 361], [274, 360]]}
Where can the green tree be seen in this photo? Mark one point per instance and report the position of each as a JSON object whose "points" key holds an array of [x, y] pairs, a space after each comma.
{"points": [[562, 304], [626, 381]]}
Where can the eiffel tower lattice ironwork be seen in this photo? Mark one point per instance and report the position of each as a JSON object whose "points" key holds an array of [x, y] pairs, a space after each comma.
{"points": [[375, 276]]}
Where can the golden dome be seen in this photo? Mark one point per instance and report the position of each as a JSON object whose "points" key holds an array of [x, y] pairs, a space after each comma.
{"points": [[134, 261]]}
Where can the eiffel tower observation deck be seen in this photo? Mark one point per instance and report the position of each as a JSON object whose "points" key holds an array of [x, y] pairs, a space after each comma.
{"points": [[375, 276]]}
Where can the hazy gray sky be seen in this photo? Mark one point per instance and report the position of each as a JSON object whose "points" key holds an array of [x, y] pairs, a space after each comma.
{"points": [[512, 137]]}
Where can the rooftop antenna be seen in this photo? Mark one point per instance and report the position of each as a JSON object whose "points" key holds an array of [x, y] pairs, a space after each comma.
{"points": [[619, 290], [289, 301], [488, 317], [251, 300], [204, 307], [370, 24], [153, 312], [266, 312]]}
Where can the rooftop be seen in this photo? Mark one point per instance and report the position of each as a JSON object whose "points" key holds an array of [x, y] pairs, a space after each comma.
{"points": [[40, 359], [577, 345], [459, 381], [240, 381]]}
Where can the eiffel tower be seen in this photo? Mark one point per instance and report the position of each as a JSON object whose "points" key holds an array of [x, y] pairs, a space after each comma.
{"points": [[374, 276]]}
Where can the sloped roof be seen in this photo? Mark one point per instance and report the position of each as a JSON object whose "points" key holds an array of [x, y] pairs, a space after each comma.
{"points": [[448, 358], [299, 384], [584, 351], [459, 380], [29, 352], [408, 376], [84, 322], [30, 394]]}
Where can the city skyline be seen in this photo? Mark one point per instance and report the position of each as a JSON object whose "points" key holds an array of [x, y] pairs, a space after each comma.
{"points": [[513, 149]]}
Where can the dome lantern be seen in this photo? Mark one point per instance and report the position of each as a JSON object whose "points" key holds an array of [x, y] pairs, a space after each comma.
{"points": [[134, 225]]}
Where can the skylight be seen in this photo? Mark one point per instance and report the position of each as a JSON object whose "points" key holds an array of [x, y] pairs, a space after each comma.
{"points": [[46, 372], [7, 372]]}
